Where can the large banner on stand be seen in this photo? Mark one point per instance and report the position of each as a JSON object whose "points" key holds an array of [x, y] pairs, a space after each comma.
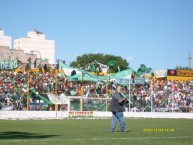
{"points": [[8, 64]]}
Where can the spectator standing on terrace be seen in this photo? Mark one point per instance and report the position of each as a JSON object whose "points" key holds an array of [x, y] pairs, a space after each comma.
{"points": [[29, 62], [35, 63], [117, 109]]}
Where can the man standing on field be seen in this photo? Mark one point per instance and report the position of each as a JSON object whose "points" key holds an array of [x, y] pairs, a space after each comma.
{"points": [[117, 109]]}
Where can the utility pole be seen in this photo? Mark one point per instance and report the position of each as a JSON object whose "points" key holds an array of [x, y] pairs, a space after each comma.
{"points": [[190, 58]]}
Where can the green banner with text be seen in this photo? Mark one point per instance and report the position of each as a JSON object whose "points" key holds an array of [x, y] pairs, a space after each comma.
{"points": [[8, 64]]}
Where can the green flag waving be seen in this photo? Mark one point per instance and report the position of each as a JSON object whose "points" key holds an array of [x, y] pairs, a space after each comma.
{"points": [[111, 62]]}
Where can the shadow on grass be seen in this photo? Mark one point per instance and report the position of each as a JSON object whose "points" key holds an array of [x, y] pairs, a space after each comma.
{"points": [[23, 135]]}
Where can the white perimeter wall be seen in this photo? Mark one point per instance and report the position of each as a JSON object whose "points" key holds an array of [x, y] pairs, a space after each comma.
{"points": [[62, 115]]}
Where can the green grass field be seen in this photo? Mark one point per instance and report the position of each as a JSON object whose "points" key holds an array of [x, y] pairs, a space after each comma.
{"points": [[96, 132]]}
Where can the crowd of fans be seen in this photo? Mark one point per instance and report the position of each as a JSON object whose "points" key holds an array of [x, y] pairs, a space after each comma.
{"points": [[151, 96], [159, 96]]}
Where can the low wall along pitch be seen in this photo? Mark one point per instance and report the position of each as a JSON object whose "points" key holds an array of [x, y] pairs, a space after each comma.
{"points": [[86, 114]]}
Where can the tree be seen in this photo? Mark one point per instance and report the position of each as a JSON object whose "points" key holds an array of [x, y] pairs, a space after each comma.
{"points": [[115, 63], [182, 68]]}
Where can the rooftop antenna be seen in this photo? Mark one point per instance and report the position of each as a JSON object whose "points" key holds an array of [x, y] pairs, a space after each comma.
{"points": [[37, 32], [190, 58]]}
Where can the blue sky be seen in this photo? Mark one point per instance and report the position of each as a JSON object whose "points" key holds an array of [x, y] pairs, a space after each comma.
{"points": [[157, 33]]}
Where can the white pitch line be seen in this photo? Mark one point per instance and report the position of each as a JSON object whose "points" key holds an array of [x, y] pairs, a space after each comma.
{"points": [[84, 139]]}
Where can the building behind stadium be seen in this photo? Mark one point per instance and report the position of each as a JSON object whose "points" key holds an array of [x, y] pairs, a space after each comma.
{"points": [[35, 47]]}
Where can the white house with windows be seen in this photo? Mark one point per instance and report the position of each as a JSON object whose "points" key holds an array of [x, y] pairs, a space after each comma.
{"points": [[5, 41], [36, 43]]}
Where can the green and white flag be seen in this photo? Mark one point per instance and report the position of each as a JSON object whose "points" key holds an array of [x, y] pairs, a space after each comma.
{"points": [[44, 60], [111, 62]]}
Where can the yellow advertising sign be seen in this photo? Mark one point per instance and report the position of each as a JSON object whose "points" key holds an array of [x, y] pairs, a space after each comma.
{"points": [[179, 78], [80, 114], [184, 73]]}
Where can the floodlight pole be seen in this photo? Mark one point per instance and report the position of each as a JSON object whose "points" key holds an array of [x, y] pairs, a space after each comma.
{"points": [[129, 95], [107, 91], [152, 96], [81, 100], [28, 100], [172, 97], [56, 89]]}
